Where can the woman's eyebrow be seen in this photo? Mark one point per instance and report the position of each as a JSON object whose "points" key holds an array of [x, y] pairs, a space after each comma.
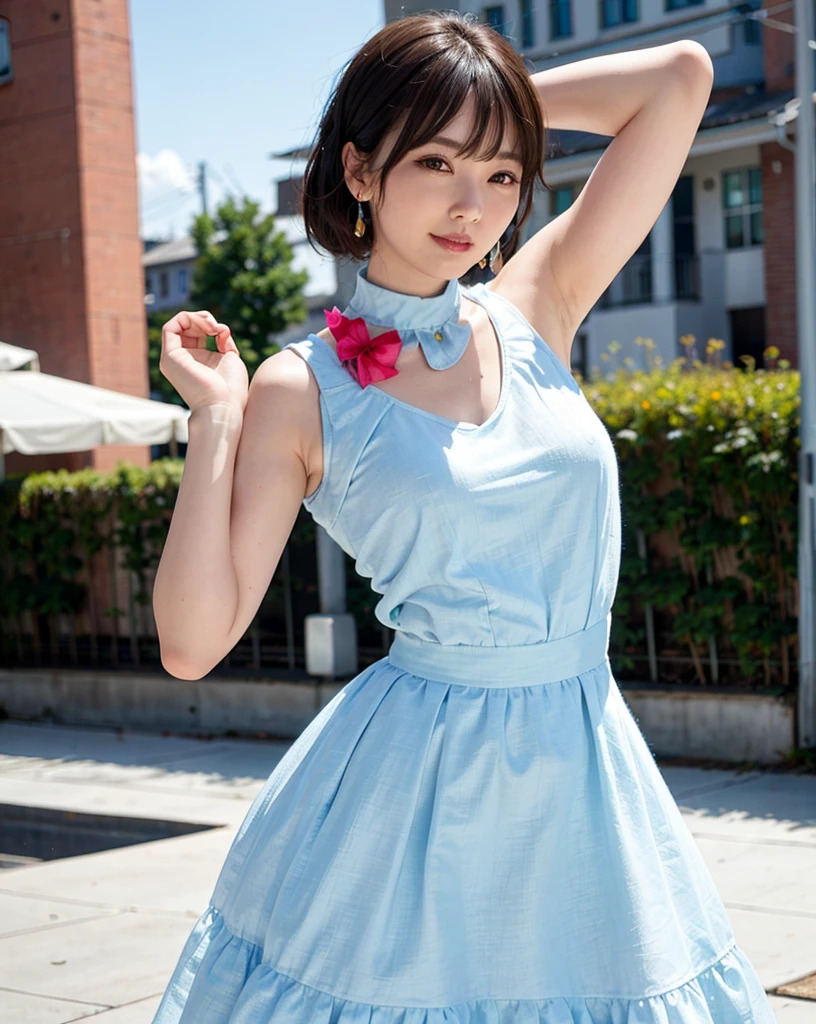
{"points": [[443, 140]]}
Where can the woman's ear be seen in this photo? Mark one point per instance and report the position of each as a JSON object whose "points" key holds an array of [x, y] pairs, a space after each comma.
{"points": [[354, 171]]}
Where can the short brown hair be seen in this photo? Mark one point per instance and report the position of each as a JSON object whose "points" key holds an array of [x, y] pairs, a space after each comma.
{"points": [[420, 69]]}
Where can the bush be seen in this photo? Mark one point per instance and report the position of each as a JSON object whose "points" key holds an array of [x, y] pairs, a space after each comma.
{"points": [[709, 486], [708, 466]]}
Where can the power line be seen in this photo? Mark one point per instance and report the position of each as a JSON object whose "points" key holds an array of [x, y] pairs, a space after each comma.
{"points": [[171, 196], [231, 172], [172, 209]]}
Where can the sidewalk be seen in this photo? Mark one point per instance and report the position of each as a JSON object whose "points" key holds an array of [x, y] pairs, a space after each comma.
{"points": [[98, 935]]}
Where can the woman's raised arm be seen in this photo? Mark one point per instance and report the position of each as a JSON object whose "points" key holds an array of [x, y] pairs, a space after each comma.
{"points": [[244, 479]]}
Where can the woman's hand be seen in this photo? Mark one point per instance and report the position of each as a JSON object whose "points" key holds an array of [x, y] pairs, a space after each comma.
{"points": [[200, 376]]}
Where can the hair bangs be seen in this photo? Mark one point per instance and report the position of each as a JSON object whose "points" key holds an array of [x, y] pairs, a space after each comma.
{"points": [[437, 101], [492, 117]]}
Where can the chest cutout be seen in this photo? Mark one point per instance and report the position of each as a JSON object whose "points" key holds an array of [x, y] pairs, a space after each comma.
{"points": [[468, 392]]}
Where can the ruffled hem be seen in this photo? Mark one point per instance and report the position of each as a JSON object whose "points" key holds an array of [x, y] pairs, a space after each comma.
{"points": [[221, 979]]}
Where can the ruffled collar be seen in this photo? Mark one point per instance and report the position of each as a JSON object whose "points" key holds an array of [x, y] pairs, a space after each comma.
{"points": [[432, 323]]}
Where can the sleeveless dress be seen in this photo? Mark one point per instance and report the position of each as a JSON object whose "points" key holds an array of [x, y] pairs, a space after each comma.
{"points": [[474, 829]]}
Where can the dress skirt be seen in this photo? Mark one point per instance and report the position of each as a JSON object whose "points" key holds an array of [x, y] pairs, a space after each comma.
{"points": [[472, 835]]}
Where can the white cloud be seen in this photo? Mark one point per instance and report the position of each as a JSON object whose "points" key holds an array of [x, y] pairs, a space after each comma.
{"points": [[162, 174]]}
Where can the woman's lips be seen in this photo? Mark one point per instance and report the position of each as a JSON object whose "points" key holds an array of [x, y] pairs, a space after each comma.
{"points": [[451, 246]]}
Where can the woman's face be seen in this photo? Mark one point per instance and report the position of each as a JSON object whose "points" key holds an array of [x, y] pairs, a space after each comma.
{"points": [[430, 194]]}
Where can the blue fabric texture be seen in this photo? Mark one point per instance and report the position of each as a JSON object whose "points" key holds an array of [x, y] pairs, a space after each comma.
{"points": [[434, 323], [473, 829]]}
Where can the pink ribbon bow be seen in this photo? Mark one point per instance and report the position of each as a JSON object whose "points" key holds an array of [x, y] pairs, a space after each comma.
{"points": [[366, 360]]}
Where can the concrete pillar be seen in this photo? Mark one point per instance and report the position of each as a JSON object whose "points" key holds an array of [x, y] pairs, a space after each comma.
{"points": [[331, 635], [663, 258]]}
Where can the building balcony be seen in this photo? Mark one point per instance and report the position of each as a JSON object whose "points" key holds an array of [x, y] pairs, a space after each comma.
{"points": [[634, 285]]}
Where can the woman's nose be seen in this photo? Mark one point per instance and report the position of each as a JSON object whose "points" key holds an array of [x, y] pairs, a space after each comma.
{"points": [[467, 204]]}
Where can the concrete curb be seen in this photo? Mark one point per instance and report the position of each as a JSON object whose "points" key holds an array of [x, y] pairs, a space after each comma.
{"points": [[730, 725]]}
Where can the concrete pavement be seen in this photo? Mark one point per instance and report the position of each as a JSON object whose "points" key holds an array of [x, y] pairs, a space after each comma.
{"points": [[98, 935]]}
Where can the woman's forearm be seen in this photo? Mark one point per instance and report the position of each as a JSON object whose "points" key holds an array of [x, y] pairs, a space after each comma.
{"points": [[602, 94], [195, 591]]}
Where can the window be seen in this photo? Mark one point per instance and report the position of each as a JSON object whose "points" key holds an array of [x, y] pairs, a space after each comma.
{"points": [[686, 262], [751, 33], [561, 199], [148, 284], [182, 282], [560, 19], [5, 52], [164, 284], [494, 17], [742, 208], [618, 12], [527, 27], [676, 5], [579, 357]]}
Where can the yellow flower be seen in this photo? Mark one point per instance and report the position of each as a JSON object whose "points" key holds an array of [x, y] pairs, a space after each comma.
{"points": [[716, 395], [645, 404], [744, 520]]}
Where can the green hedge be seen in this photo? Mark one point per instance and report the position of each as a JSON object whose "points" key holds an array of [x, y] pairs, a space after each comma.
{"points": [[708, 462], [53, 523], [709, 458]]}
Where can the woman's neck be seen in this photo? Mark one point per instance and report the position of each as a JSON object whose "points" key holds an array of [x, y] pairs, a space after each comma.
{"points": [[398, 276]]}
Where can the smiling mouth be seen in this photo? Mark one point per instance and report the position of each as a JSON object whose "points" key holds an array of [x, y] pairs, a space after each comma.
{"points": [[459, 244]]}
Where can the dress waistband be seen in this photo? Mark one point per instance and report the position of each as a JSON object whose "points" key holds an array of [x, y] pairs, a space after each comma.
{"points": [[520, 665]]}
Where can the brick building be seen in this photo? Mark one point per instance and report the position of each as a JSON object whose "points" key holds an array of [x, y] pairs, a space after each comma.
{"points": [[70, 253]]}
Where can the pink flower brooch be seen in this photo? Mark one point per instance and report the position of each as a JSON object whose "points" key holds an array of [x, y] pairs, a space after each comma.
{"points": [[366, 359]]}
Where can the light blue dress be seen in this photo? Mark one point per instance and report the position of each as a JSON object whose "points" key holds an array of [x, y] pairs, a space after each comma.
{"points": [[474, 829]]}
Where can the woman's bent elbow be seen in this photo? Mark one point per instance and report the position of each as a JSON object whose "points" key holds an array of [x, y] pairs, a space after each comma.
{"points": [[181, 667]]}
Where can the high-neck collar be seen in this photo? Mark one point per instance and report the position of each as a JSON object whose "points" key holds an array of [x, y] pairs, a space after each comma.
{"points": [[431, 322]]}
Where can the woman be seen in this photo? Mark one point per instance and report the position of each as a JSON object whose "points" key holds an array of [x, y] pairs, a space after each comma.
{"points": [[474, 828]]}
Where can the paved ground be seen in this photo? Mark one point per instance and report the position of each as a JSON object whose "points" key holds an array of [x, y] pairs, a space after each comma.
{"points": [[99, 934]]}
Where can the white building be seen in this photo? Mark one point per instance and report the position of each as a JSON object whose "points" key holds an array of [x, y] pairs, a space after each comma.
{"points": [[168, 270], [719, 261]]}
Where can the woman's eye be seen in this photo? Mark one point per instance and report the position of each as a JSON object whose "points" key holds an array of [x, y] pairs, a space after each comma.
{"points": [[510, 178]]}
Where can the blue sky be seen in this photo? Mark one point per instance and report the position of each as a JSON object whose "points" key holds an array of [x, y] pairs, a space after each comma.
{"points": [[229, 83]]}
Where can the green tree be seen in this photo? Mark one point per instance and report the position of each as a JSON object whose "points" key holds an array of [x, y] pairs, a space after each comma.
{"points": [[159, 384], [243, 275]]}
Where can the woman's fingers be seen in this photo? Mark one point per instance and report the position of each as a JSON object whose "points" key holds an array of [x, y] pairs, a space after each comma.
{"points": [[207, 326], [191, 329], [216, 330]]}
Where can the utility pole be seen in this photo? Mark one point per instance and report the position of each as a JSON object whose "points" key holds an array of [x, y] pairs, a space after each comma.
{"points": [[806, 323], [202, 185]]}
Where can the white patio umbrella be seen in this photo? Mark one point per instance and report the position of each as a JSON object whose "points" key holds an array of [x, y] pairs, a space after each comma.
{"points": [[40, 413], [12, 357]]}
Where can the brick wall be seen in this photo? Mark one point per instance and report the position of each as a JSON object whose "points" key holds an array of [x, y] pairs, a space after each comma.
{"points": [[778, 205], [778, 50], [70, 253], [778, 198]]}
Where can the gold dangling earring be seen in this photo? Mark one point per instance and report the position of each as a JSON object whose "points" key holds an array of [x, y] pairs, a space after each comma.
{"points": [[359, 227], [483, 262], [496, 259]]}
